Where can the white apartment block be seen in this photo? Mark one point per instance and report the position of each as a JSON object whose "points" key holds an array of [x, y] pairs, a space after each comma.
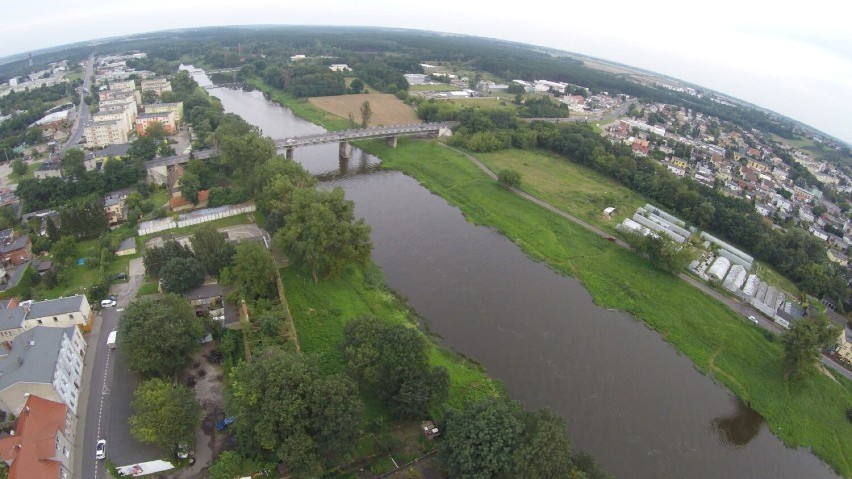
{"points": [[46, 362], [101, 134]]}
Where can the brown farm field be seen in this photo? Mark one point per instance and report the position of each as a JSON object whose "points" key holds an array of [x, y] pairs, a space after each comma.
{"points": [[387, 109]]}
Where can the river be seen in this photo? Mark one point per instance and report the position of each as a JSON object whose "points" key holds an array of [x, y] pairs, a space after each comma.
{"points": [[628, 397]]}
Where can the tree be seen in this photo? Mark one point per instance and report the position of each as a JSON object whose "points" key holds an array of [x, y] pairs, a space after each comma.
{"points": [[64, 250], [230, 464], [156, 131], [285, 408], [189, 187], [149, 96], [480, 439], [19, 168], [392, 362], [544, 450], [181, 274], [211, 249], [357, 86], [803, 342], [509, 177], [156, 257], [321, 233], [159, 336], [164, 415], [254, 271], [74, 163], [366, 114], [143, 148], [165, 149]]}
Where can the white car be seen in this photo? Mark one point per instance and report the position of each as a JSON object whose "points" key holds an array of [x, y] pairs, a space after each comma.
{"points": [[108, 303], [100, 449], [752, 319]]}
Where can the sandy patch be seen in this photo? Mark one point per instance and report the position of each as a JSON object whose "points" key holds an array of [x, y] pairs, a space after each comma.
{"points": [[387, 109]]}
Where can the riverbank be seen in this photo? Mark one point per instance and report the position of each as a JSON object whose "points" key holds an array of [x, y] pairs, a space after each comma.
{"points": [[301, 107], [322, 310], [740, 356]]}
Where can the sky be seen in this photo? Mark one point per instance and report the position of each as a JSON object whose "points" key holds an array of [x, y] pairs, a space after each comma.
{"points": [[790, 57]]}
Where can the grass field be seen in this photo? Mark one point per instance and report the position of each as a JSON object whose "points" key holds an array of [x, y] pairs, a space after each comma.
{"points": [[570, 187], [809, 413], [322, 310], [13, 178], [387, 108]]}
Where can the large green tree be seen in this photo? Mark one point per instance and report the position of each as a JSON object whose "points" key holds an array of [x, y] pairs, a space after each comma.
{"points": [[254, 271], [321, 233], [480, 439], [182, 274], [154, 258], [391, 360], [73, 163], [285, 408], [212, 249], [244, 153], [544, 450], [164, 414], [159, 336], [190, 185], [803, 342]]}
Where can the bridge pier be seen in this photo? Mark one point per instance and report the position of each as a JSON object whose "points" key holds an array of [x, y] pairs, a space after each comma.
{"points": [[392, 141], [288, 152], [345, 150]]}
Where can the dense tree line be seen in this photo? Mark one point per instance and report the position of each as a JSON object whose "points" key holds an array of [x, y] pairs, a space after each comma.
{"points": [[305, 79], [497, 438]]}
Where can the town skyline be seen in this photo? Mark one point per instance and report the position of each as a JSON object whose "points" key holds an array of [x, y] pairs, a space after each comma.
{"points": [[796, 63]]}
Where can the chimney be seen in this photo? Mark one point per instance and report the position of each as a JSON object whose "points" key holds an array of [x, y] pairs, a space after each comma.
{"points": [[14, 302]]}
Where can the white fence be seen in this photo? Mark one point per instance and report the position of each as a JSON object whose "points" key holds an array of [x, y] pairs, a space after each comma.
{"points": [[194, 218]]}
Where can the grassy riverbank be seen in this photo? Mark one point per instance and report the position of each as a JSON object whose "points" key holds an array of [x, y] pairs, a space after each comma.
{"points": [[810, 413], [322, 310], [302, 107]]}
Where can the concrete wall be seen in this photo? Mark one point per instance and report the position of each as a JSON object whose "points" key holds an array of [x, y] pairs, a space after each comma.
{"points": [[164, 224]]}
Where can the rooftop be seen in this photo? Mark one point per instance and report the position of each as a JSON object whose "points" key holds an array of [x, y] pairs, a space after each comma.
{"points": [[33, 446], [32, 357], [54, 307]]}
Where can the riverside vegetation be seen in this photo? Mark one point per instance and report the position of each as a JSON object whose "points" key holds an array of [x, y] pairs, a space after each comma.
{"points": [[808, 413]]}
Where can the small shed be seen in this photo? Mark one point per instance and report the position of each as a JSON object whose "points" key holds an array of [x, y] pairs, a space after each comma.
{"points": [[43, 267], [609, 211], [126, 247]]}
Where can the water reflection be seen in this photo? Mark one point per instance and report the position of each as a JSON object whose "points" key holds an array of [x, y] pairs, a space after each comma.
{"points": [[737, 429]]}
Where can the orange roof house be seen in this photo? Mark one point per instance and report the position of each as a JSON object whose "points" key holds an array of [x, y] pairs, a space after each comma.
{"points": [[40, 447]]}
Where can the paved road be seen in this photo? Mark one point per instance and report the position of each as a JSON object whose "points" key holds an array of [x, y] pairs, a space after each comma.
{"points": [[743, 309], [83, 113], [107, 391]]}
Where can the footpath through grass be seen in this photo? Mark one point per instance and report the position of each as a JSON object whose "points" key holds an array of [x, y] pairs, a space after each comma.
{"points": [[810, 413], [322, 310], [568, 186]]}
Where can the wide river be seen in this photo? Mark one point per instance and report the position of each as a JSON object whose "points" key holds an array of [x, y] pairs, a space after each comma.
{"points": [[628, 397]]}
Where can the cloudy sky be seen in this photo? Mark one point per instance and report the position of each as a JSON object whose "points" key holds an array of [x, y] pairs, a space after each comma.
{"points": [[793, 58]]}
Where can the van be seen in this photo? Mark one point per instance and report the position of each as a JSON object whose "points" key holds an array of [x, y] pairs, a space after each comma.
{"points": [[111, 339]]}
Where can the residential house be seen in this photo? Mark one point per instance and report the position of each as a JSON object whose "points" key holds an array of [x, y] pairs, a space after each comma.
{"points": [[103, 116], [166, 119], [158, 85], [42, 446], [206, 296], [55, 313], [126, 247], [48, 169], [105, 133], [114, 209], [46, 362], [16, 251], [126, 85], [96, 159], [339, 67], [177, 108]]}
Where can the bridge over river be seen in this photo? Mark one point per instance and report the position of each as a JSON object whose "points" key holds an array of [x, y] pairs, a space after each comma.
{"points": [[344, 137]]}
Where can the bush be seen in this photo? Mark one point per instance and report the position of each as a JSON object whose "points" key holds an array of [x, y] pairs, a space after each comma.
{"points": [[509, 177]]}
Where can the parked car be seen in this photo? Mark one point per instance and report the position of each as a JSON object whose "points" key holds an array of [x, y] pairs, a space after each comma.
{"points": [[752, 319], [107, 303], [120, 276], [224, 423], [100, 449]]}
